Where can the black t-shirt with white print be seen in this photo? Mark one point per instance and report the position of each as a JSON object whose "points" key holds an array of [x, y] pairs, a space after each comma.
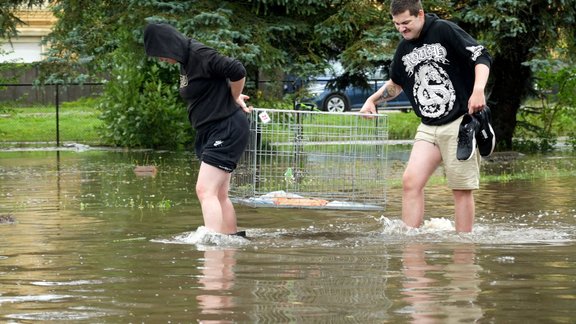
{"points": [[436, 70]]}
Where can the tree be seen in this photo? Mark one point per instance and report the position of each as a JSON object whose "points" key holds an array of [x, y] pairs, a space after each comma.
{"points": [[518, 32], [97, 35], [8, 20], [515, 31], [299, 36], [249, 30]]}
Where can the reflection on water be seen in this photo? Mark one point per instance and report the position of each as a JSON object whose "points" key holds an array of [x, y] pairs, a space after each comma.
{"points": [[216, 281], [444, 291], [92, 241]]}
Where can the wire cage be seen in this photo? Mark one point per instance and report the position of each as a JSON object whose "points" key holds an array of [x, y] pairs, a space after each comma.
{"points": [[313, 159]]}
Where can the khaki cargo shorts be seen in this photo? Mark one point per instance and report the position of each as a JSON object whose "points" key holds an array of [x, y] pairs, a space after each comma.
{"points": [[460, 175]]}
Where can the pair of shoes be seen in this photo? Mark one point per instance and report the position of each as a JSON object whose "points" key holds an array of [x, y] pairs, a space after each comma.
{"points": [[467, 137], [485, 134]]}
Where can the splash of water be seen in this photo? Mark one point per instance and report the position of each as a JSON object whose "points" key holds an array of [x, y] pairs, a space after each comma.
{"points": [[442, 229], [434, 225], [205, 238]]}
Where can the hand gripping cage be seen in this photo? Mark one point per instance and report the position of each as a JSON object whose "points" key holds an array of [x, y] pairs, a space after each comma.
{"points": [[312, 159]]}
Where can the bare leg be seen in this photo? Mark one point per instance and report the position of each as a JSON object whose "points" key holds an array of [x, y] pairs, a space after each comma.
{"points": [[228, 212], [424, 159], [465, 209], [212, 190]]}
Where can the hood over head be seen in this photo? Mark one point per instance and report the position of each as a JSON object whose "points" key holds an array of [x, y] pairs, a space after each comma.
{"points": [[163, 40]]}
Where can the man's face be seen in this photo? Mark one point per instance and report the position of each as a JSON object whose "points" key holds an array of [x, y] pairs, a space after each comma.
{"points": [[409, 26]]}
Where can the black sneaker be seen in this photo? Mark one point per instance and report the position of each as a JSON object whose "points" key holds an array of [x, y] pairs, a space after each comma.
{"points": [[240, 233], [467, 138], [485, 135]]}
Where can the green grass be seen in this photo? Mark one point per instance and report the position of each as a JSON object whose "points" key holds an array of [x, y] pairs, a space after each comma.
{"points": [[558, 120], [79, 123], [402, 125]]}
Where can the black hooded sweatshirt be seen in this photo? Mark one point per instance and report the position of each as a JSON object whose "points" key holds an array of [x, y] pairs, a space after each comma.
{"points": [[436, 70], [204, 73]]}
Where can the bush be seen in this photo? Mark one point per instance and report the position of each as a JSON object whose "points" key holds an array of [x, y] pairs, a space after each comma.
{"points": [[140, 110], [551, 114]]}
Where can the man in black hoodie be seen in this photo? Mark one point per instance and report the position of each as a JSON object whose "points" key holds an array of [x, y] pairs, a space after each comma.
{"points": [[212, 85], [443, 72]]}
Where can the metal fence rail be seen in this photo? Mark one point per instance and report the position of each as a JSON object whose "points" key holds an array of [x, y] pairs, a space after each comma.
{"points": [[29, 93], [19, 115], [312, 159]]}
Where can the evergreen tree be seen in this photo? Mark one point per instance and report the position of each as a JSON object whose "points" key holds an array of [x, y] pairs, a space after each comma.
{"points": [[299, 36], [8, 20]]}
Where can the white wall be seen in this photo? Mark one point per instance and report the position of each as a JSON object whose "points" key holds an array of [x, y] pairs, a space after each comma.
{"points": [[24, 50]]}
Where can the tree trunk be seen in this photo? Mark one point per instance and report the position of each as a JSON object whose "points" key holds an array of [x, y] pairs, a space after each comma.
{"points": [[510, 88]]}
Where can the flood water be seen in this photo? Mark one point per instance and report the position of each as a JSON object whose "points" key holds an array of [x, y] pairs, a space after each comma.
{"points": [[86, 240]]}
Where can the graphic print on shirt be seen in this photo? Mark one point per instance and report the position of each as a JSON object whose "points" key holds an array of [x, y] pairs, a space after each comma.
{"points": [[183, 81], [476, 51], [433, 90]]}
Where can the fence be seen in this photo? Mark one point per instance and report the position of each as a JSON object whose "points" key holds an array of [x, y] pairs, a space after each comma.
{"points": [[45, 118], [48, 120], [38, 114], [311, 159]]}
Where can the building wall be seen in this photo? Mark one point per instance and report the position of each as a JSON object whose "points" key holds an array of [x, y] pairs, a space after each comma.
{"points": [[21, 91], [27, 46]]}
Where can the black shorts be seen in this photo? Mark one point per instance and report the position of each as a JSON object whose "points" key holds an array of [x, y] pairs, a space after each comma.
{"points": [[222, 143]]}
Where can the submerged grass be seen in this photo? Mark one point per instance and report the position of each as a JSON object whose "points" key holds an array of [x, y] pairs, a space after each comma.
{"points": [[530, 167], [503, 168]]}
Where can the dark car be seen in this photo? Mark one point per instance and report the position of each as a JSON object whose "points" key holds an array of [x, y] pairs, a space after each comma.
{"points": [[351, 98]]}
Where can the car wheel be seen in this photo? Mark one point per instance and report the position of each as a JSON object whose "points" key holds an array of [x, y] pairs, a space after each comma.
{"points": [[336, 103]]}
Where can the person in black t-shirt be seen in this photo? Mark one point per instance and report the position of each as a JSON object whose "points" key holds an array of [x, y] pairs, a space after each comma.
{"points": [[443, 71]]}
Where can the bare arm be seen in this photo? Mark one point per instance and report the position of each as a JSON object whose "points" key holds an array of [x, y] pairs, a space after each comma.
{"points": [[236, 87], [388, 91], [477, 100]]}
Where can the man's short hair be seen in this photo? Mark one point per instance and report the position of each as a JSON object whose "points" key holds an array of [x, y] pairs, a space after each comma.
{"points": [[399, 6]]}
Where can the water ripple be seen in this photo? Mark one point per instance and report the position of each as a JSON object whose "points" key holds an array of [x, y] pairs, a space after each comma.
{"points": [[33, 298], [442, 230]]}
